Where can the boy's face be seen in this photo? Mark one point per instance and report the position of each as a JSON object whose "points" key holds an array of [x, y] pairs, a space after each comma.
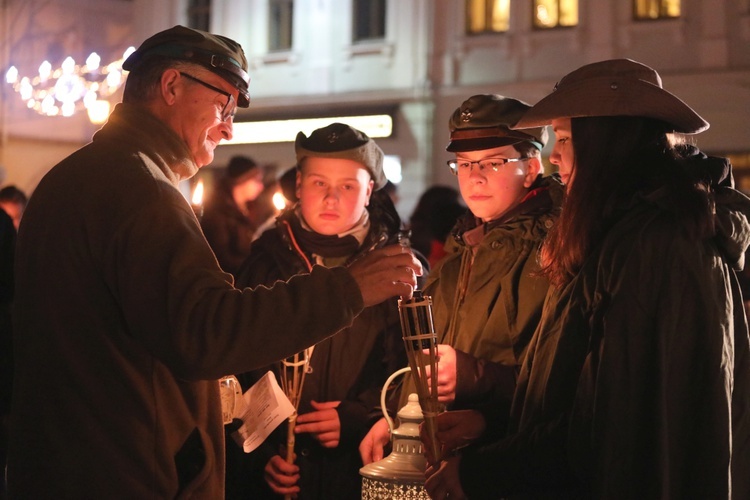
{"points": [[333, 193], [489, 193]]}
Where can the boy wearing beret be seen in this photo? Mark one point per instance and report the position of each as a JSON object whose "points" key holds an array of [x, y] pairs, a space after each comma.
{"points": [[341, 216]]}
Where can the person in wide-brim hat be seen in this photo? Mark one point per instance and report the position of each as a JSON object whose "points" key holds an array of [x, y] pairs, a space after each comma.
{"points": [[625, 391], [617, 87]]}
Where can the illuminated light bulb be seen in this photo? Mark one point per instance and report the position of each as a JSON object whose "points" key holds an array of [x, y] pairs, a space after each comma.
{"points": [[114, 79], [68, 65], [48, 103], [68, 108], [11, 76], [45, 69], [98, 112], [127, 52], [25, 89], [92, 62], [89, 99], [69, 88]]}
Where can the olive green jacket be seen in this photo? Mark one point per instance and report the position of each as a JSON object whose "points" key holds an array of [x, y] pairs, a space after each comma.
{"points": [[487, 303]]}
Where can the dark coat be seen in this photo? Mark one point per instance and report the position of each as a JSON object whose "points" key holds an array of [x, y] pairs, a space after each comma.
{"points": [[637, 382], [229, 232], [350, 367], [123, 322]]}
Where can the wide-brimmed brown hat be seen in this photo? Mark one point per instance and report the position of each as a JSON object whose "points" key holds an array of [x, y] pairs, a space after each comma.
{"points": [[617, 87], [484, 121], [218, 53]]}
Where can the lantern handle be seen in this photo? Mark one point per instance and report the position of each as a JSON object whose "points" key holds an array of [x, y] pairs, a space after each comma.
{"points": [[384, 391]]}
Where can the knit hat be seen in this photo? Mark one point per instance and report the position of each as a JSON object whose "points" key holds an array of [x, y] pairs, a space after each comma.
{"points": [[484, 121], [339, 140], [617, 87], [219, 54]]}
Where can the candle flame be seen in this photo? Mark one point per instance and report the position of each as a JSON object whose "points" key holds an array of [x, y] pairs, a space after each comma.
{"points": [[278, 200], [197, 198]]}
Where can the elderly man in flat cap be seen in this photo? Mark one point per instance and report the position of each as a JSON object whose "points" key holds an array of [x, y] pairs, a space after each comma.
{"points": [[124, 320]]}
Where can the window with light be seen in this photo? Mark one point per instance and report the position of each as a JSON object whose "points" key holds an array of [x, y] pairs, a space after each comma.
{"points": [[656, 9], [487, 16], [368, 17], [280, 17], [555, 13]]}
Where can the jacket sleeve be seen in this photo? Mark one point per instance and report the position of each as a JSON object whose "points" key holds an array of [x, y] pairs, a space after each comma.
{"points": [[178, 302]]}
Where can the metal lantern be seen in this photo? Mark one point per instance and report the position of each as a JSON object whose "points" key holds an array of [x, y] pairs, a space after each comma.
{"points": [[400, 475]]}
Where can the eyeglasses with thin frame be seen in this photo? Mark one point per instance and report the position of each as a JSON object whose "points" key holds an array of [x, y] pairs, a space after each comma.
{"points": [[463, 167], [229, 109]]}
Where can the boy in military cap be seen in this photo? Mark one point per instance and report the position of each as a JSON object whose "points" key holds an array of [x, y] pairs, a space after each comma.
{"points": [[342, 215], [123, 320], [487, 294]]}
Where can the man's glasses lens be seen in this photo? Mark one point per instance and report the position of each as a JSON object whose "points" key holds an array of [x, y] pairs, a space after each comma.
{"points": [[229, 109], [489, 164]]}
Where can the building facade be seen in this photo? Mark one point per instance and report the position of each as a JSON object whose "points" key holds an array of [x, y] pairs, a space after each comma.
{"points": [[414, 61]]}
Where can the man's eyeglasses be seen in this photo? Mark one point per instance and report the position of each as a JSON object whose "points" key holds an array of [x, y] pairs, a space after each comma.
{"points": [[229, 109], [463, 167]]}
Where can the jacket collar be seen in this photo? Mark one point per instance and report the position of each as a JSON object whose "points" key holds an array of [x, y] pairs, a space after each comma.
{"points": [[133, 127]]}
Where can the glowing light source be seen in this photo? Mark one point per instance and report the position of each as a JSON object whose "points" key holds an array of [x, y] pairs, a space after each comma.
{"points": [[71, 87], [286, 130]]}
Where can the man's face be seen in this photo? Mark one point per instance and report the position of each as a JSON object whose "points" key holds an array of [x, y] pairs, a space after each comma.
{"points": [[490, 193], [333, 193], [198, 109]]}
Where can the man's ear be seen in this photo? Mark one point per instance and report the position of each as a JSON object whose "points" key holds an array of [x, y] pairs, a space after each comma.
{"points": [[168, 85], [534, 167]]}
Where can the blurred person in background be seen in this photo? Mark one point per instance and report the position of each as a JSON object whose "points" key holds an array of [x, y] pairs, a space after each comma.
{"points": [[436, 213], [229, 218], [13, 201]]}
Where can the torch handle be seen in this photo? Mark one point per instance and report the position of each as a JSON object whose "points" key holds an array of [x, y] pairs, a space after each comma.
{"points": [[292, 421]]}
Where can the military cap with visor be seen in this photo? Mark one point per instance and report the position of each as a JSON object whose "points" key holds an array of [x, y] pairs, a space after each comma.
{"points": [[484, 121], [217, 53]]}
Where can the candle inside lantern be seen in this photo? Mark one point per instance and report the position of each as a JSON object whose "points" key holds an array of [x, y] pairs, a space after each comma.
{"points": [[196, 200]]}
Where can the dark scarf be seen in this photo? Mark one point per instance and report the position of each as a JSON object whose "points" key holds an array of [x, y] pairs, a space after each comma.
{"points": [[323, 245]]}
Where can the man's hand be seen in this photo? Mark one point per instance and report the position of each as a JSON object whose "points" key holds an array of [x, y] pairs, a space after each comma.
{"points": [[384, 273], [372, 446], [455, 429], [281, 476], [323, 424], [443, 480]]}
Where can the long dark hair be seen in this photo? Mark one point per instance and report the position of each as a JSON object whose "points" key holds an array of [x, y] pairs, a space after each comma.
{"points": [[615, 159]]}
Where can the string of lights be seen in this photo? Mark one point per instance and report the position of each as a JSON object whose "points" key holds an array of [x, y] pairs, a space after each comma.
{"points": [[72, 87]]}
